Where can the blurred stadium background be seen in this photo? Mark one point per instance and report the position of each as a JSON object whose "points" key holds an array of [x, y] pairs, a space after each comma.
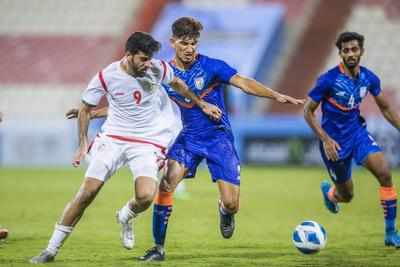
{"points": [[50, 49]]}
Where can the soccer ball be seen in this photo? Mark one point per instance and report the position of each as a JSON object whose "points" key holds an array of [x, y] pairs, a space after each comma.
{"points": [[309, 237]]}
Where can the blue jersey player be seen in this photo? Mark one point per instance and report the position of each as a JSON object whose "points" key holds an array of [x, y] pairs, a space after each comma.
{"points": [[201, 137], [343, 132]]}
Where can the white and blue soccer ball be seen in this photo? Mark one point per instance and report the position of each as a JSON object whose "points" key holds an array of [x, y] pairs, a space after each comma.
{"points": [[309, 237]]}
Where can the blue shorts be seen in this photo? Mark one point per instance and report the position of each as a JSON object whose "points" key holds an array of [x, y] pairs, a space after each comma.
{"points": [[363, 145], [217, 147]]}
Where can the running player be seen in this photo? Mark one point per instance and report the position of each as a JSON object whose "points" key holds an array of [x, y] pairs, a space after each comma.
{"points": [[343, 134], [137, 130], [202, 138]]}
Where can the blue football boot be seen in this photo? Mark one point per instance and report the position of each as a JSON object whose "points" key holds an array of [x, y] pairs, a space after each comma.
{"points": [[330, 205], [392, 239]]}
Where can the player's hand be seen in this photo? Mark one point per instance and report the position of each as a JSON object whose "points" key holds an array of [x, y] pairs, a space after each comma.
{"points": [[211, 110], [72, 113], [331, 149], [79, 154], [289, 100]]}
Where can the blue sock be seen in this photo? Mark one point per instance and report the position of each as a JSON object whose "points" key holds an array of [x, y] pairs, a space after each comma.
{"points": [[161, 215], [390, 210], [388, 198]]}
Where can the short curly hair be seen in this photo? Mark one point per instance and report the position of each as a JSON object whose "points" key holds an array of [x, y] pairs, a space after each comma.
{"points": [[345, 37], [141, 41], [186, 27]]}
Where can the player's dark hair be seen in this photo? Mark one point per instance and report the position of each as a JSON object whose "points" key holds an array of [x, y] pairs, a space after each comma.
{"points": [[345, 37], [141, 41], [186, 27]]}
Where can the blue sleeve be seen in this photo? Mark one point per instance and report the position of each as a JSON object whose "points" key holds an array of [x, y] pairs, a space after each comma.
{"points": [[321, 89], [223, 71], [375, 87]]}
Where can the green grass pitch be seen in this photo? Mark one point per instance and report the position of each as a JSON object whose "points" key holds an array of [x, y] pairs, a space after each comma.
{"points": [[273, 201]]}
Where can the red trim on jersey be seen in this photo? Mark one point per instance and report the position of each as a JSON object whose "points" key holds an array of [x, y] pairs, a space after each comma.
{"points": [[201, 96], [135, 140], [165, 70], [336, 104], [103, 83], [341, 68]]}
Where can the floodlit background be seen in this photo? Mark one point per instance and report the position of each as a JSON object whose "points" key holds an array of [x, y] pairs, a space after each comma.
{"points": [[50, 49]]}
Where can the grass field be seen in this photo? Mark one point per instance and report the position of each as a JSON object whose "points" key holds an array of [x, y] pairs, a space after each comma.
{"points": [[273, 202]]}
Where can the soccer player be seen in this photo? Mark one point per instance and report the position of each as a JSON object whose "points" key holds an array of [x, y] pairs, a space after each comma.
{"points": [[137, 130], [343, 134], [202, 138]]}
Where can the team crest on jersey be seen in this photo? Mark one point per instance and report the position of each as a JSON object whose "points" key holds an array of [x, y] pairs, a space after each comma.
{"points": [[363, 91], [199, 83]]}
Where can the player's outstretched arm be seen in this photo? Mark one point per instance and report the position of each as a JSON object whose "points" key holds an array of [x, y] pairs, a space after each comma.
{"points": [[211, 110], [96, 113], [387, 111], [83, 125], [330, 146], [253, 87]]}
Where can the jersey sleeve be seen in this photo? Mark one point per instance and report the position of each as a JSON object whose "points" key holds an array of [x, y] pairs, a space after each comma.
{"points": [[223, 71], [375, 87], [320, 90], [165, 71], [95, 90]]}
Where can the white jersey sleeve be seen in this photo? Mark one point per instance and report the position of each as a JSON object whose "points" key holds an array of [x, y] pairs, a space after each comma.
{"points": [[166, 73], [95, 90]]}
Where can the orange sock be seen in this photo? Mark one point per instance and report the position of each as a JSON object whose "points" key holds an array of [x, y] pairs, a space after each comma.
{"points": [[164, 198]]}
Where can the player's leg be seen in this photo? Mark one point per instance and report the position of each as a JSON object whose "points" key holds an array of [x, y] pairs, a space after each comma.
{"points": [[145, 190], [379, 167], [162, 209], [342, 188], [225, 170], [70, 217], [143, 161], [228, 206], [101, 167]]}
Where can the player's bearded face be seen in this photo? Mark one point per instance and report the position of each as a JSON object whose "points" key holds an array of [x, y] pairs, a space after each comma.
{"points": [[185, 48], [351, 53], [139, 63]]}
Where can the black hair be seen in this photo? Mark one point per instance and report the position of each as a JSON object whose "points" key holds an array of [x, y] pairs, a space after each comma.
{"points": [[141, 41], [186, 27], [345, 37]]}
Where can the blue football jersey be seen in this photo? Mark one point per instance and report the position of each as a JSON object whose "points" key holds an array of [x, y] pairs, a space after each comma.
{"points": [[206, 78], [341, 97]]}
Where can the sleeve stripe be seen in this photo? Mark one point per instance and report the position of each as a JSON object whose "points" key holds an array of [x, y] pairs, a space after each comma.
{"points": [[165, 70], [103, 83]]}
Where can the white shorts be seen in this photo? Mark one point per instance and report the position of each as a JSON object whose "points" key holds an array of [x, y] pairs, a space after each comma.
{"points": [[107, 155]]}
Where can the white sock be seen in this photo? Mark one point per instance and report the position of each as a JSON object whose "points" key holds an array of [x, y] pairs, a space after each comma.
{"points": [[160, 248], [60, 234], [126, 214]]}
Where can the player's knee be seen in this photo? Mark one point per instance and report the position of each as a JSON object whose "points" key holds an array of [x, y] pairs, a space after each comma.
{"points": [[144, 199]]}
